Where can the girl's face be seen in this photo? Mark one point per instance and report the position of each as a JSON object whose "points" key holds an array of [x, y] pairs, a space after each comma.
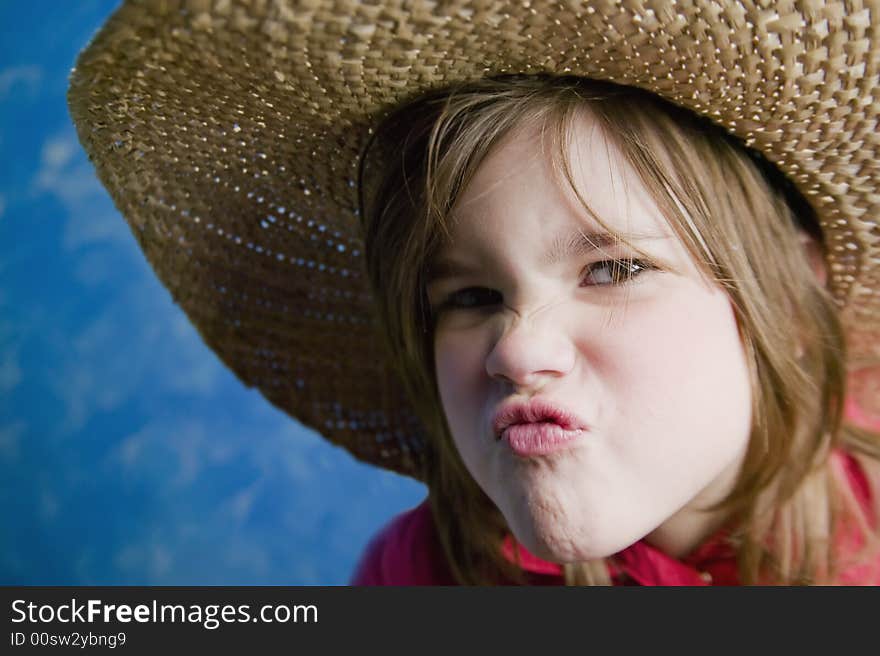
{"points": [[595, 402]]}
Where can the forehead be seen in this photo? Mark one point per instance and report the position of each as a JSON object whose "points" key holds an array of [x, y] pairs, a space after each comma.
{"points": [[581, 193]]}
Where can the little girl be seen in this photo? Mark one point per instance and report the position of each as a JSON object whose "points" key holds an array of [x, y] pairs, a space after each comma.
{"points": [[609, 333], [609, 311]]}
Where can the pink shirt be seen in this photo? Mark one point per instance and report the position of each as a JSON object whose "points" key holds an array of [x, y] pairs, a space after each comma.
{"points": [[408, 552]]}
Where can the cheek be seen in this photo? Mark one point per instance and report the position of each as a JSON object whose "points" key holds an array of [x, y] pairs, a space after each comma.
{"points": [[460, 376], [686, 332], [685, 376]]}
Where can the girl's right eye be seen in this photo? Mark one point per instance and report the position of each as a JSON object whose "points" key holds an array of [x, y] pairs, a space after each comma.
{"points": [[469, 298]]}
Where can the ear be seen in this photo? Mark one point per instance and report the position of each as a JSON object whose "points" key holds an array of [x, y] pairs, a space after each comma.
{"points": [[815, 255]]}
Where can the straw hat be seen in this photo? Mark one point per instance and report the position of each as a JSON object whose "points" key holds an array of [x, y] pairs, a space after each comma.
{"points": [[228, 134]]}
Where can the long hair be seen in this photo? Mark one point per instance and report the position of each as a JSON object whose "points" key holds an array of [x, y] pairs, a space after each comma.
{"points": [[740, 220]]}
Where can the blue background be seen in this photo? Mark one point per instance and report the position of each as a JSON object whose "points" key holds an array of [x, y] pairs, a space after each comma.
{"points": [[128, 454]]}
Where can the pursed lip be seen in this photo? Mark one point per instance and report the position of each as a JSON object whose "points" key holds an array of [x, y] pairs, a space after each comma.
{"points": [[533, 411]]}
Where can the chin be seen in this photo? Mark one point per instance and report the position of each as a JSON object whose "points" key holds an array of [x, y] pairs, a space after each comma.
{"points": [[553, 539]]}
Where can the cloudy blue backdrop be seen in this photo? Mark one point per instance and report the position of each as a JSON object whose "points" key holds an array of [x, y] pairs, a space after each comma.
{"points": [[128, 454]]}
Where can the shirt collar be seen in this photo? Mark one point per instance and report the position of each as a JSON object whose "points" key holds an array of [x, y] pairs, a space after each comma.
{"points": [[712, 563]]}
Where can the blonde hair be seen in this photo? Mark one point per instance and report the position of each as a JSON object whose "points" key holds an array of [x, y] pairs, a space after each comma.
{"points": [[739, 219]]}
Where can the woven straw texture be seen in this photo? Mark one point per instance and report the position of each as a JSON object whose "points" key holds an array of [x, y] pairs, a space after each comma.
{"points": [[228, 134]]}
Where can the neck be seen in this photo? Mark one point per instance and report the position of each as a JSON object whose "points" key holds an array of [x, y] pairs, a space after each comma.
{"points": [[684, 531]]}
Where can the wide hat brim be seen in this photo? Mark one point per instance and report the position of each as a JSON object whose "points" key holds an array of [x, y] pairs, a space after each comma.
{"points": [[228, 134]]}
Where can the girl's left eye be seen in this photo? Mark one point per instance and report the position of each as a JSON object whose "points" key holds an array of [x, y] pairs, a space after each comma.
{"points": [[614, 272]]}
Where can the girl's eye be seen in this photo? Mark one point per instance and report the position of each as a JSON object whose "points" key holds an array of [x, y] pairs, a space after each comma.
{"points": [[470, 298], [614, 272]]}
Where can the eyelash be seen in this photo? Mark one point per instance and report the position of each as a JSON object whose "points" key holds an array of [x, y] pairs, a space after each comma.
{"points": [[635, 268]]}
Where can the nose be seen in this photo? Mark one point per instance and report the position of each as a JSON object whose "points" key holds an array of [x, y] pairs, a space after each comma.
{"points": [[528, 350]]}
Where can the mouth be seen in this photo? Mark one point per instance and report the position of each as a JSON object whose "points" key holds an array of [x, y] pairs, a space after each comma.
{"points": [[537, 427]]}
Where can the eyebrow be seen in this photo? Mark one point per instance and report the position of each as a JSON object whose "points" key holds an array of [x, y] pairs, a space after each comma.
{"points": [[566, 245]]}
